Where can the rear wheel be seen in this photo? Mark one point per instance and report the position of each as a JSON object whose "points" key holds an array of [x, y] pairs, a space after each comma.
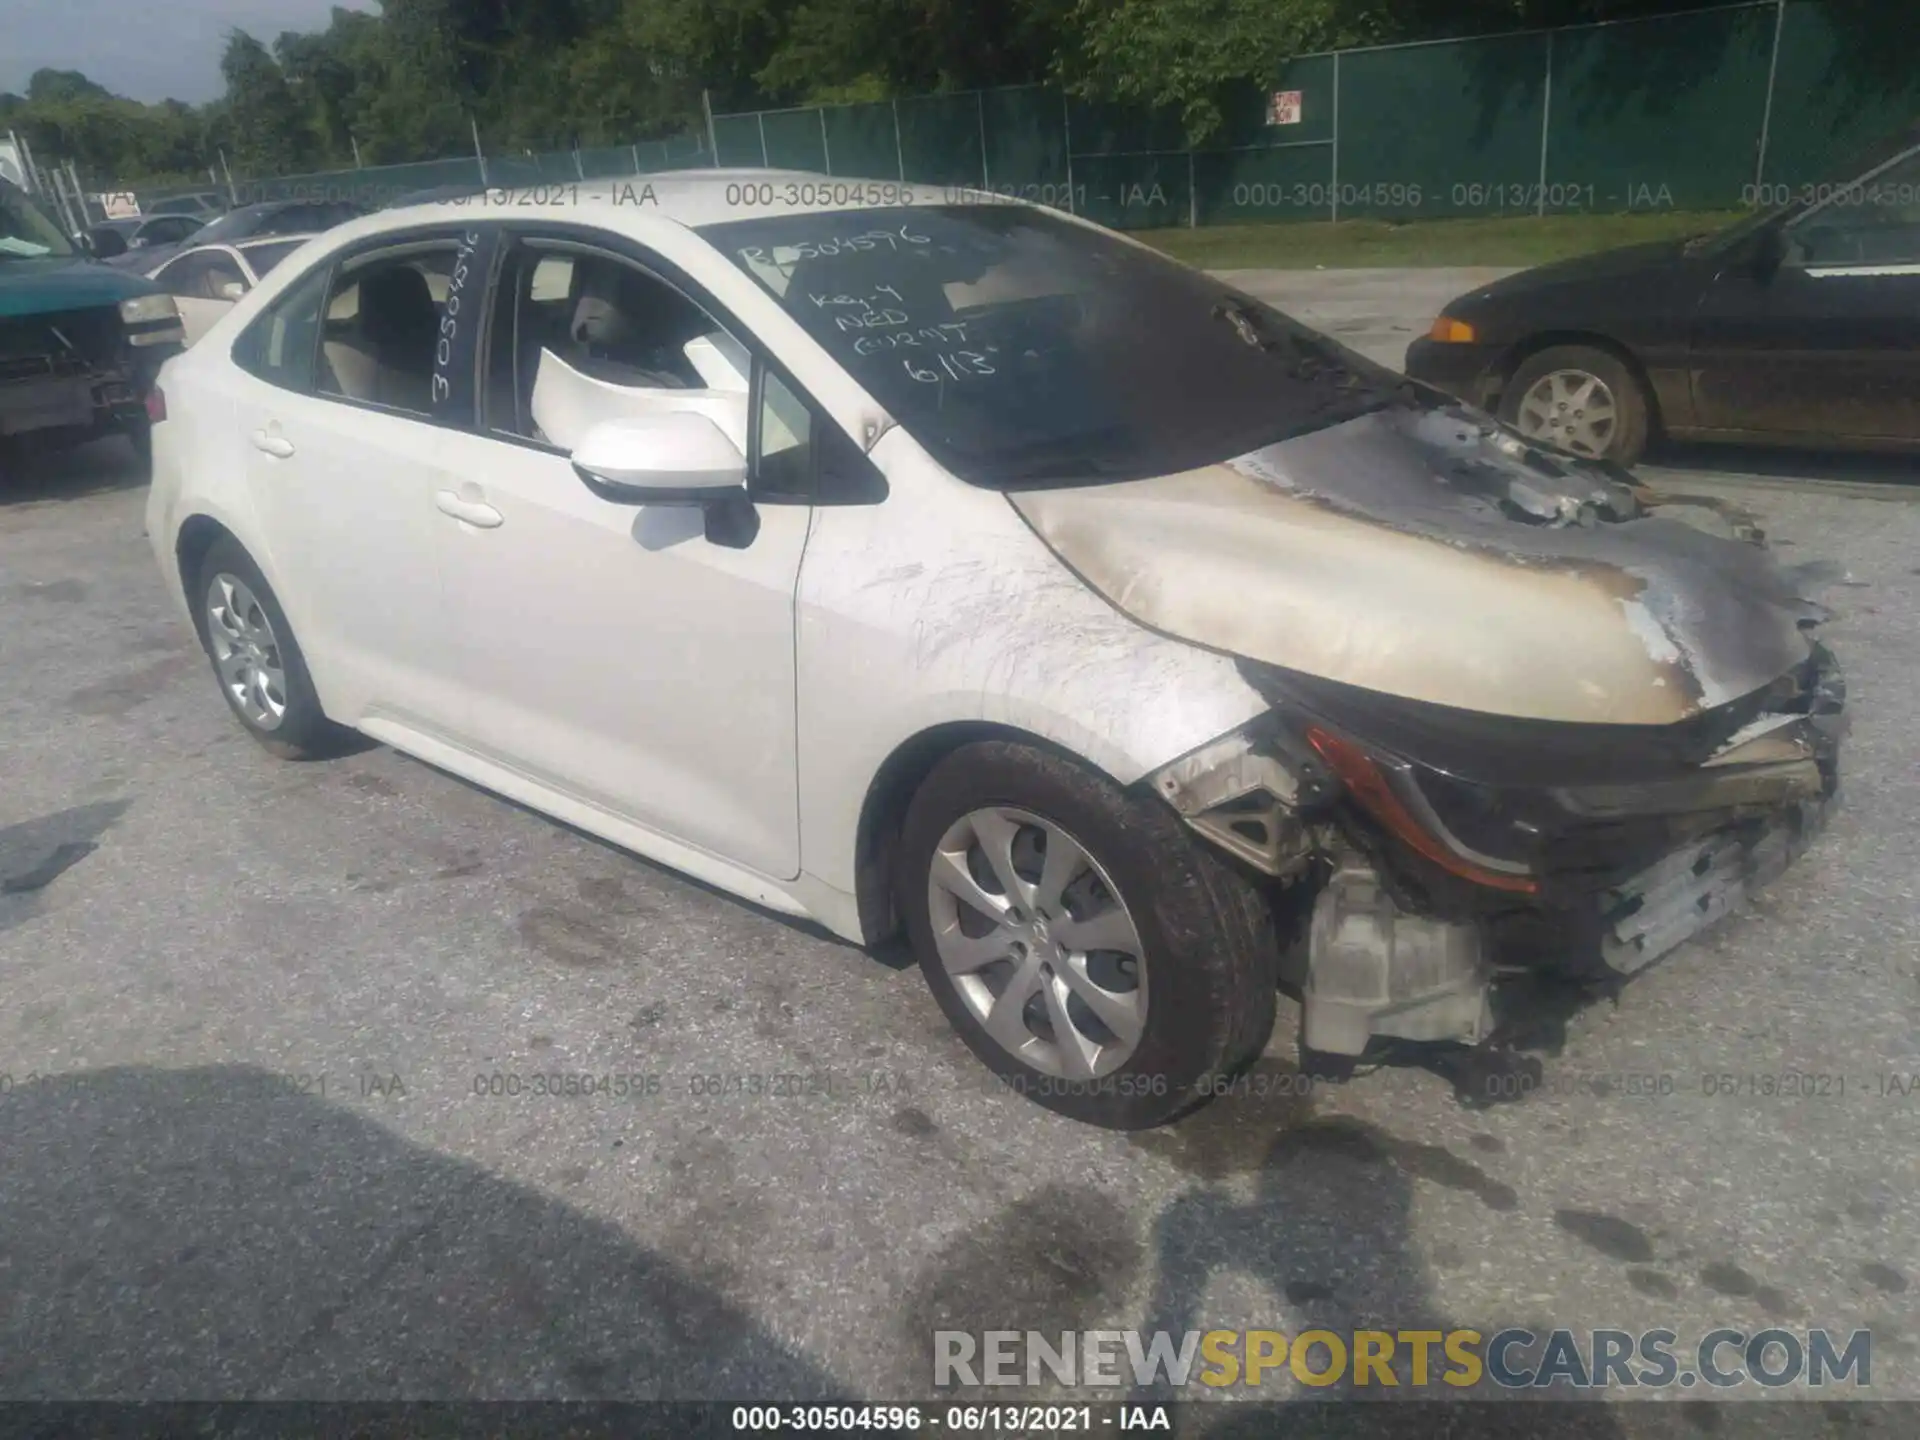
{"points": [[1083, 943], [255, 658], [1579, 398]]}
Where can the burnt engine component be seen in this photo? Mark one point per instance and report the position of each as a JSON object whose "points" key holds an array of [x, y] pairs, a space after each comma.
{"points": [[1373, 969]]}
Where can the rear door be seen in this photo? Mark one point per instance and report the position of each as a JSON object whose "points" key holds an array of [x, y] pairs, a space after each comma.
{"points": [[1827, 347], [359, 387]]}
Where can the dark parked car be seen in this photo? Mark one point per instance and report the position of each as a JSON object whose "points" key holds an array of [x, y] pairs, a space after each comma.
{"points": [[252, 222], [204, 204], [113, 238], [455, 194], [1799, 325]]}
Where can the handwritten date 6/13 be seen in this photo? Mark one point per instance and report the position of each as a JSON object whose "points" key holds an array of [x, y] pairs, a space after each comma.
{"points": [[952, 365]]}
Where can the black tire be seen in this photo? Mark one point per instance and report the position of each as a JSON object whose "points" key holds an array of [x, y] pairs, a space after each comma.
{"points": [[303, 731], [1210, 950], [1632, 407]]}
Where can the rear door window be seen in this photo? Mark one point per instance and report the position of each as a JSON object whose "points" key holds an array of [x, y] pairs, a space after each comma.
{"points": [[401, 326], [281, 346]]}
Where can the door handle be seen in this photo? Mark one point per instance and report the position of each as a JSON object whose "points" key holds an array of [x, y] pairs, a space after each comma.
{"points": [[276, 445], [474, 512]]}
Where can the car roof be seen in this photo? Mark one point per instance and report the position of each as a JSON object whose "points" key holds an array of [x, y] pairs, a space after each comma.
{"points": [[707, 196], [256, 242]]}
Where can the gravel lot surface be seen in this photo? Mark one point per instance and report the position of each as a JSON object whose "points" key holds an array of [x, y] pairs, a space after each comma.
{"points": [[274, 1001]]}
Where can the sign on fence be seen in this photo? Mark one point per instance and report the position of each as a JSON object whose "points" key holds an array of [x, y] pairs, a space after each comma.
{"points": [[1283, 107], [122, 205]]}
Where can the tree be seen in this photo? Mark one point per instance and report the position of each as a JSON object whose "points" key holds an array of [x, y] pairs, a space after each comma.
{"points": [[266, 126], [406, 82]]}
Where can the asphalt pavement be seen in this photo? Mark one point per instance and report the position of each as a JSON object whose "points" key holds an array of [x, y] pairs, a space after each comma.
{"points": [[277, 1046]]}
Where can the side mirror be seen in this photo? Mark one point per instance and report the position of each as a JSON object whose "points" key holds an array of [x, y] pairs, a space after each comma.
{"points": [[232, 290], [673, 458], [108, 243]]}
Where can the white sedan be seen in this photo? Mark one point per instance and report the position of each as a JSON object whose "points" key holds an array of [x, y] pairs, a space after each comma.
{"points": [[937, 563], [208, 280]]}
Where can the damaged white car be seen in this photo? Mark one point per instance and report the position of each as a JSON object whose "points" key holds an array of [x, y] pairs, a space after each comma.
{"points": [[965, 569]]}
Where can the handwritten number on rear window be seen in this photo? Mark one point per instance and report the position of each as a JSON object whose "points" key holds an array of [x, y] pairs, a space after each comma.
{"points": [[450, 317]]}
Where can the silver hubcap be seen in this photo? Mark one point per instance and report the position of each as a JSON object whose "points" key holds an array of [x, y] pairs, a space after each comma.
{"points": [[1571, 409], [1038, 943], [246, 652]]}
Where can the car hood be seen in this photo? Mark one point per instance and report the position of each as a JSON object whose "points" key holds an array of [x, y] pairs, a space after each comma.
{"points": [[1425, 551], [1624, 263], [41, 287]]}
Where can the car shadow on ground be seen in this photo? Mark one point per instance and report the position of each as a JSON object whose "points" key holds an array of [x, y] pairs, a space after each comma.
{"points": [[1318, 1211], [97, 468], [223, 1232]]}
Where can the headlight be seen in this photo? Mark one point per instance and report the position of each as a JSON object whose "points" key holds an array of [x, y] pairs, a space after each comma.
{"points": [[145, 309], [1449, 331]]}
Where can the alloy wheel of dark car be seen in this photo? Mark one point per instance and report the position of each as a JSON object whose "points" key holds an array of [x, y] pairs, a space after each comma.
{"points": [[1580, 399]]}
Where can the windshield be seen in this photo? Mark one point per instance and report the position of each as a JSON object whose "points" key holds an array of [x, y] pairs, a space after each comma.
{"points": [[26, 231], [234, 225], [304, 218], [1020, 348], [1868, 165]]}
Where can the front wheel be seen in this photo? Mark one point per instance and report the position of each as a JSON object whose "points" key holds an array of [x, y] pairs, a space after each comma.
{"points": [[1085, 945], [1581, 399]]}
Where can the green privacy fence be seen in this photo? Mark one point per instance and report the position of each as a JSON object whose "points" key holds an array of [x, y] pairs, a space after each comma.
{"points": [[1712, 109]]}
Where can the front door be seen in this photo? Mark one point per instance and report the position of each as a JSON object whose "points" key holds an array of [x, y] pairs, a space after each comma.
{"points": [[1828, 345], [616, 652]]}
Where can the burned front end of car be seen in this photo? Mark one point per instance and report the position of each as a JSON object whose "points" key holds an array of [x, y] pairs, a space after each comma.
{"points": [[1444, 848], [1522, 712]]}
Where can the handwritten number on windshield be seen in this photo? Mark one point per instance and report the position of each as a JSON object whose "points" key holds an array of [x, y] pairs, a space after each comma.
{"points": [[959, 365], [836, 245]]}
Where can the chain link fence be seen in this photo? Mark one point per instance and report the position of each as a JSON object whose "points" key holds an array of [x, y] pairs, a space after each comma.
{"points": [[377, 185], [1714, 109]]}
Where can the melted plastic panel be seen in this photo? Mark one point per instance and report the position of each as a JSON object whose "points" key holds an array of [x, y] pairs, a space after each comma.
{"points": [[1420, 552]]}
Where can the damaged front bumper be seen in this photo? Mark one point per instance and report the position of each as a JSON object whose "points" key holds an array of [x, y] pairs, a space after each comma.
{"points": [[1449, 849]]}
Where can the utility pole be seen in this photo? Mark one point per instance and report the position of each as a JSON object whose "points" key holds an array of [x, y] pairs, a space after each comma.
{"points": [[233, 195], [356, 152], [478, 153]]}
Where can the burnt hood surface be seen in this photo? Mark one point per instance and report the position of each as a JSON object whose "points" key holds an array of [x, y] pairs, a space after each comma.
{"points": [[1426, 552]]}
